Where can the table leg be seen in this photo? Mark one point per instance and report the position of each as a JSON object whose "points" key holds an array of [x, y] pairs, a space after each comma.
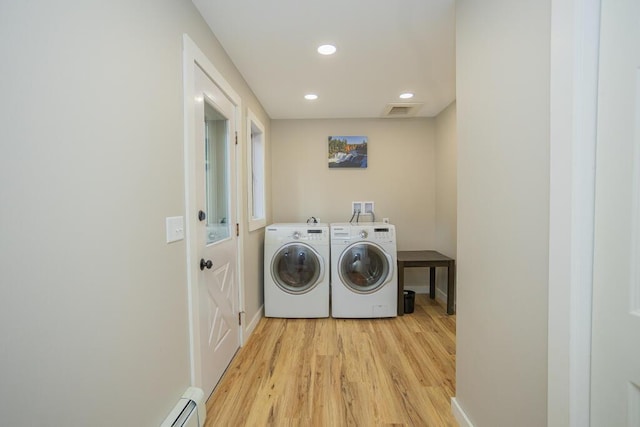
{"points": [[400, 308], [451, 279], [432, 282]]}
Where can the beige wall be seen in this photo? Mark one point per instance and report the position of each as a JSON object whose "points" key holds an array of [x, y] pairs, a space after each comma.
{"points": [[503, 210], [93, 302], [446, 191], [400, 177]]}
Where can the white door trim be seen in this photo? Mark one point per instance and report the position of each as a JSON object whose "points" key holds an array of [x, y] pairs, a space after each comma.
{"points": [[575, 34], [193, 55]]}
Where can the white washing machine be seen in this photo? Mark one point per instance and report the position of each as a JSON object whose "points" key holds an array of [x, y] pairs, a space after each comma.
{"points": [[364, 277], [296, 270]]}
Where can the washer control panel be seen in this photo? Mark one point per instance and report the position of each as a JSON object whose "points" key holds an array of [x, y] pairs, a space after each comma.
{"points": [[308, 234], [355, 232], [314, 234], [297, 232], [383, 233]]}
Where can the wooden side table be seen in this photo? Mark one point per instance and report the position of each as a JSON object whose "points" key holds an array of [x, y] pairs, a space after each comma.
{"points": [[430, 260]]}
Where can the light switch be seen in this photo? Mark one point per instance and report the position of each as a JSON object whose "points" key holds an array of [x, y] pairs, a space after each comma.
{"points": [[175, 228]]}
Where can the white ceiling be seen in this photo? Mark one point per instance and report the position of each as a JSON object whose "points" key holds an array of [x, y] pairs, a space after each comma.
{"points": [[385, 47]]}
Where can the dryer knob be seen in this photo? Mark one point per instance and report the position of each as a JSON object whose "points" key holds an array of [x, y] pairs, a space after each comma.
{"points": [[363, 234], [296, 235]]}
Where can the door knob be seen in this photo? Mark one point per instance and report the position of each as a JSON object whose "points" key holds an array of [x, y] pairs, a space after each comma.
{"points": [[205, 264]]}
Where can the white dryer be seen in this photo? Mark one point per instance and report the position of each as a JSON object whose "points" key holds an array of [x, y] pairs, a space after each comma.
{"points": [[364, 278], [296, 270]]}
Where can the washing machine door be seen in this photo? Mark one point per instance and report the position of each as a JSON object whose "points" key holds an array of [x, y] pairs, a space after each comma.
{"points": [[364, 267], [297, 268]]}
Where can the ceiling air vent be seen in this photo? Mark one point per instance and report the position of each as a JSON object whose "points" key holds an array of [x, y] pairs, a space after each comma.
{"points": [[401, 109]]}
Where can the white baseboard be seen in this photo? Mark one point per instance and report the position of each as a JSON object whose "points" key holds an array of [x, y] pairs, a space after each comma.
{"points": [[459, 414], [252, 325], [440, 294]]}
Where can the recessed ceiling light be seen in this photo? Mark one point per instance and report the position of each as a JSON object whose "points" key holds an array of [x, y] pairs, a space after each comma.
{"points": [[311, 96], [406, 95], [327, 49]]}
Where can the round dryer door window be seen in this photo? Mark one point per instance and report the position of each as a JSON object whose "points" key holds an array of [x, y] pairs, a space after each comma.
{"points": [[297, 268], [364, 267]]}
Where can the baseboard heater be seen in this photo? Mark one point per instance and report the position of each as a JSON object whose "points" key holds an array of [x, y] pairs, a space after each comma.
{"points": [[190, 411]]}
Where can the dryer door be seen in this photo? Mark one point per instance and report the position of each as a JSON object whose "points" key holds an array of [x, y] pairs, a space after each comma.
{"points": [[297, 268], [364, 267]]}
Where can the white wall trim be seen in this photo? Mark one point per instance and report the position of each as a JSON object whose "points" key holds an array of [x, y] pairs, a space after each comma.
{"points": [[418, 289], [459, 413], [424, 289], [255, 223], [196, 55], [193, 55], [573, 106], [254, 322]]}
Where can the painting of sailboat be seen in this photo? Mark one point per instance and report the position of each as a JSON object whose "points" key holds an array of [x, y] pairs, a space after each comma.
{"points": [[348, 151]]}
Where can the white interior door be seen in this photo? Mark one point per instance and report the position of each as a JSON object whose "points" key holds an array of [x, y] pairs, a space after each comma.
{"points": [[615, 363], [217, 245]]}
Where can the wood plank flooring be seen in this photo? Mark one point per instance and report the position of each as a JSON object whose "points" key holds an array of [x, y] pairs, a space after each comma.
{"points": [[342, 372]]}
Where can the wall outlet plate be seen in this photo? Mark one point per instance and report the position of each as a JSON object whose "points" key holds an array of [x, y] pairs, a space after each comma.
{"points": [[368, 208], [357, 207], [174, 228]]}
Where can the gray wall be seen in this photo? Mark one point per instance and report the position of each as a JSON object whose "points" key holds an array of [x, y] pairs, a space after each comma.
{"points": [[411, 177], [400, 177], [93, 302], [503, 202]]}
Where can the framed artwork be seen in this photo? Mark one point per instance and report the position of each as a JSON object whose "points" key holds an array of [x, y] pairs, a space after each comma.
{"points": [[348, 151]]}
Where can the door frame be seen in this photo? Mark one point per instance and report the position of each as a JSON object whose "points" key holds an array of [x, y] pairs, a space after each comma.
{"points": [[193, 55], [575, 36]]}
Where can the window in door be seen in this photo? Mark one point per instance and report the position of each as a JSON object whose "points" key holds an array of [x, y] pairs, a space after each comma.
{"points": [[216, 175]]}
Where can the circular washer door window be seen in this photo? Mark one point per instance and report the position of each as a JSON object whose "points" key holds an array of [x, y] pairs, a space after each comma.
{"points": [[296, 268], [364, 267]]}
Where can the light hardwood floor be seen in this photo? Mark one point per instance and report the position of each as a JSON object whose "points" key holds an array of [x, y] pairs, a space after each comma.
{"points": [[342, 372]]}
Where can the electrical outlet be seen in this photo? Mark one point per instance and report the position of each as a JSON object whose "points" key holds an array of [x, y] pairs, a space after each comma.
{"points": [[368, 207], [385, 220]]}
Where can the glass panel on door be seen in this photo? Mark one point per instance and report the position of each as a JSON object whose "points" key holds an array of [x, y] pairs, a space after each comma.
{"points": [[216, 175]]}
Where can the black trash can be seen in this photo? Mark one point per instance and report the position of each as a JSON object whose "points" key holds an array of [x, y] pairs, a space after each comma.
{"points": [[409, 301]]}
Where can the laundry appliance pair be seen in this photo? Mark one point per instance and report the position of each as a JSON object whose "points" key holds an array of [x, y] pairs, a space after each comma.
{"points": [[346, 270]]}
